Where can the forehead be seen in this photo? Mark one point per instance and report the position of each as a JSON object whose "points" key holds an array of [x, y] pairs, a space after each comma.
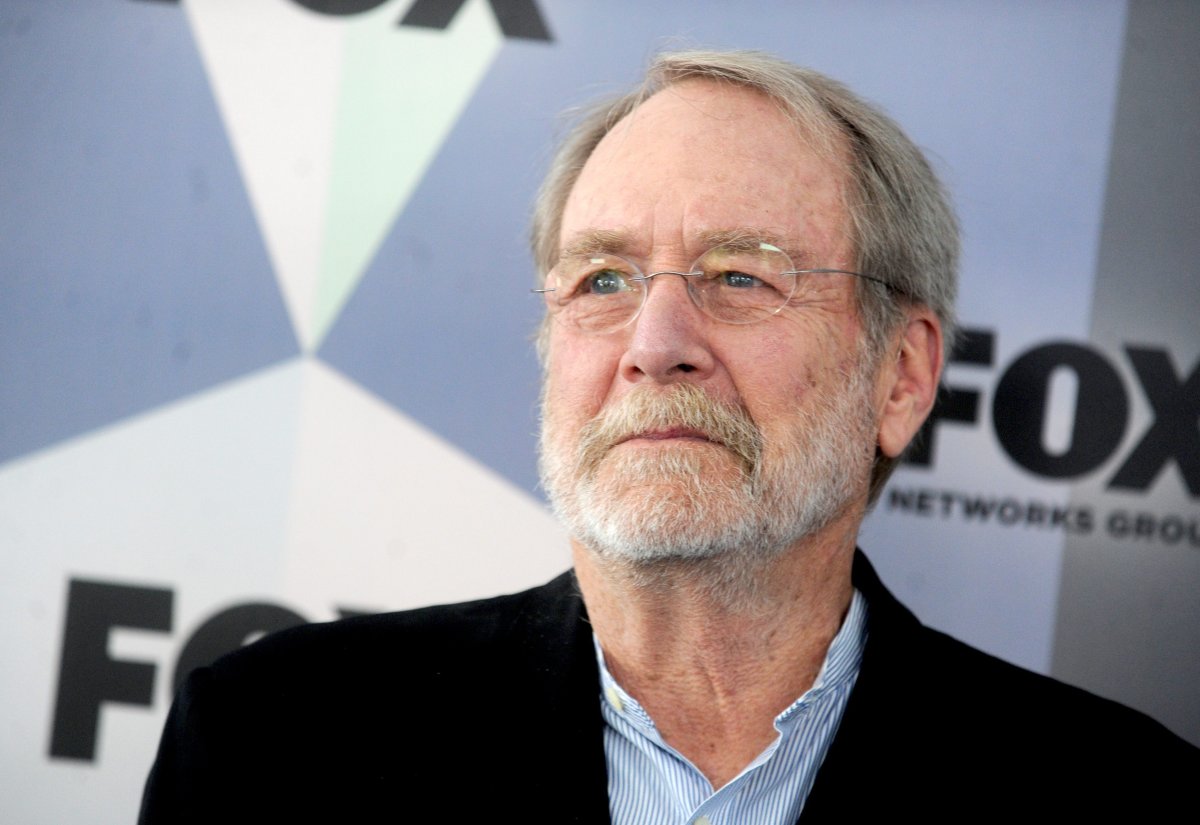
{"points": [[702, 158]]}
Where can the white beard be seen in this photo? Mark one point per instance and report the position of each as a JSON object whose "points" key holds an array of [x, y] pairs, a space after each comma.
{"points": [[740, 500]]}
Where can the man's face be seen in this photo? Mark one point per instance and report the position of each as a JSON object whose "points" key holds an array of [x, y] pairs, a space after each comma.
{"points": [[679, 436]]}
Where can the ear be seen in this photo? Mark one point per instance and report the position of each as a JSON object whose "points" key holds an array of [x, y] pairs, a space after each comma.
{"points": [[908, 381]]}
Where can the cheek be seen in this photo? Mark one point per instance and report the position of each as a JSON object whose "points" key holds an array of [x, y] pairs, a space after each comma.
{"points": [[790, 367], [777, 364], [577, 382]]}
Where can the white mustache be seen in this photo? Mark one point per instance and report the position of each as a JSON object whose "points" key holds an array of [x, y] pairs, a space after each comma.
{"points": [[683, 406]]}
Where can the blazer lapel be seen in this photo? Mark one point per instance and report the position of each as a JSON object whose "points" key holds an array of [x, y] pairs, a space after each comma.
{"points": [[873, 749], [552, 649]]}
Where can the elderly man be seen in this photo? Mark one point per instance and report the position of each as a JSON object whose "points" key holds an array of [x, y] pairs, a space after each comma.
{"points": [[749, 276]]}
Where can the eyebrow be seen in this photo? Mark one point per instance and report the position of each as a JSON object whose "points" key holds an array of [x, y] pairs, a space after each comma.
{"points": [[610, 242], [748, 239], [597, 241]]}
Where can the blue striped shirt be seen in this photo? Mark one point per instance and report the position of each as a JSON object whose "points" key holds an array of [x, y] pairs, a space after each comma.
{"points": [[650, 783]]}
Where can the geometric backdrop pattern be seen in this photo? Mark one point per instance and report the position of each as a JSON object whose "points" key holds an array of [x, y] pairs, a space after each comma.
{"points": [[265, 340]]}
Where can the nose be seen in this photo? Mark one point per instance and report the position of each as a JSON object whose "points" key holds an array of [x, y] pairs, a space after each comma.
{"points": [[669, 341]]}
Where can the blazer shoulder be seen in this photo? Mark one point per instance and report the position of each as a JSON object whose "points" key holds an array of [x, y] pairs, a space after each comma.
{"points": [[410, 641], [977, 695], [936, 727], [910, 663]]}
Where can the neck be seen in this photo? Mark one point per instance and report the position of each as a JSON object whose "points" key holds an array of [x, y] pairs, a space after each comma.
{"points": [[715, 655]]}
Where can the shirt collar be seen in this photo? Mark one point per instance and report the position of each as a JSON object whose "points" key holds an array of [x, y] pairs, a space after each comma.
{"points": [[841, 665]]}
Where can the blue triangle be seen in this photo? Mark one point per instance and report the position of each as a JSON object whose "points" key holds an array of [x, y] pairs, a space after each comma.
{"points": [[133, 272]]}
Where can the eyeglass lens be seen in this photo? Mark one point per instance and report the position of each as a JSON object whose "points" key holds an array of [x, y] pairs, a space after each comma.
{"points": [[733, 283]]}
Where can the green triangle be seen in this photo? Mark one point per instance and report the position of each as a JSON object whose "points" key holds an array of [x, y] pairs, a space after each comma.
{"points": [[403, 89]]}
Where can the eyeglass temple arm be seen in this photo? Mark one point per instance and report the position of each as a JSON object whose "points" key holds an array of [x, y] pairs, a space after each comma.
{"points": [[652, 275]]}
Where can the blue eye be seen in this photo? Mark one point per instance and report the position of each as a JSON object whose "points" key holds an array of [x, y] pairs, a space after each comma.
{"points": [[606, 282], [739, 280]]}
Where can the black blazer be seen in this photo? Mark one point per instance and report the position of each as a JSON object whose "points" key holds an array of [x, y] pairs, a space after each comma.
{"points": [[492, 708]]}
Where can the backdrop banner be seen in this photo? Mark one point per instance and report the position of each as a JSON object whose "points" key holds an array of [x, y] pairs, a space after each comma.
{"points": [[266, 335]]}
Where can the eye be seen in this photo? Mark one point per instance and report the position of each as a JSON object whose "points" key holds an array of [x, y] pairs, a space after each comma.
{"points": [[604, 282], [738, 280]]}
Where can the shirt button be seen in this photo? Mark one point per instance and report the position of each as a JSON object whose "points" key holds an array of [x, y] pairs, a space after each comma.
{"points": [[614, 699], [702, 820]]}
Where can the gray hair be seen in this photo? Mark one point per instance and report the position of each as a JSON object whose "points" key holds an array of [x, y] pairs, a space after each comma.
{"points": [[903, 228]]}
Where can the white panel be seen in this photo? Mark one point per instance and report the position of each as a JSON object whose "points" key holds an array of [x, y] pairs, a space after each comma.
{"points": [[275, 69], [386, 513], [292, 486], [191, 497]]}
